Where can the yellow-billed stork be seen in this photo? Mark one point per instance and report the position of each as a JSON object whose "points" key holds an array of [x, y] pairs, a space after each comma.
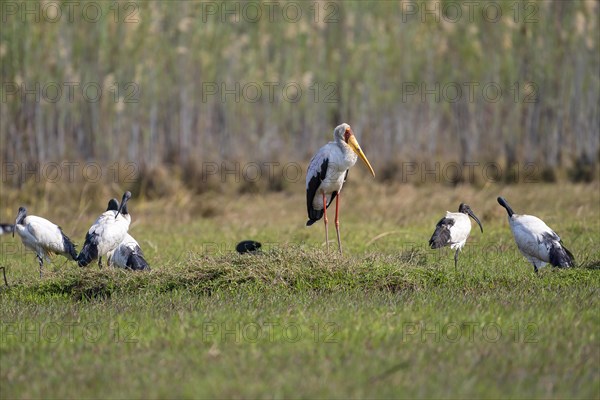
{"points": [[43, 237], [453, 230], [106, 233], [327, 173], [536, 241]]}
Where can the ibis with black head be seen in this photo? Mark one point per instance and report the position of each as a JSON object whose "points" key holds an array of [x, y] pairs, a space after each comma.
{"points": [[536, 241], [107, 232], [454, 229]]}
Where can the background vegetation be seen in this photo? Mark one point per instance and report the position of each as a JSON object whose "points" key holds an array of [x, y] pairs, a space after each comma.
{"points": [[157, 65]]}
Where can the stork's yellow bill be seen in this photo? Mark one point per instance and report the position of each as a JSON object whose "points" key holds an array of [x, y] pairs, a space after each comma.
{"points": [[353, 143]]}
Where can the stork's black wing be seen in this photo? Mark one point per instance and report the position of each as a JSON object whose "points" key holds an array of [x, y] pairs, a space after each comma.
{"points": [[311, 191]]}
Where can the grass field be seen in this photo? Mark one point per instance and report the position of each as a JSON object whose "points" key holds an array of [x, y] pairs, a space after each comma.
{"points": [[389, 318]]}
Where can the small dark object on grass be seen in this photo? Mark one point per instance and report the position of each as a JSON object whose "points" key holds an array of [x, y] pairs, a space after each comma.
{"points": [[248, 246]]}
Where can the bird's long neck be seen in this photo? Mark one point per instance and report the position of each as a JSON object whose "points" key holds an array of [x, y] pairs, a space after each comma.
{"points": [[349, 156], [507, 207], [509, 211], [21, 220]]}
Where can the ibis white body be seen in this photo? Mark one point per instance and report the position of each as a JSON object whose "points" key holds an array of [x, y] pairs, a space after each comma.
{"points": [[127, 254], [453, 230], [109, 231], [459, 231], [534, 239], [43, 237], [537, 241], [106, 233]]}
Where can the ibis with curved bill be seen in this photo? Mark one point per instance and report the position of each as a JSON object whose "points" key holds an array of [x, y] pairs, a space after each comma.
{"points": [[454, 229], [107, 232]]}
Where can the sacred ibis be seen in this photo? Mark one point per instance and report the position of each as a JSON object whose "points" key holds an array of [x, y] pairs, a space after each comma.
{"points": [[106, 233], [128, 255], [6, 228], [327, 173], [453, 230], [536, 241], [43, 237]]}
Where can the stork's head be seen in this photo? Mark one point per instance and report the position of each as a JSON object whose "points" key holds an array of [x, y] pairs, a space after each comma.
{"points": [[113, 205], [21, 215], [465, 209], [123, 208], [343, 134]]}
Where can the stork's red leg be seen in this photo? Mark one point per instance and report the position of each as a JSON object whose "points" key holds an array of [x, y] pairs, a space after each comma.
{"points": [[325, 220], [337, 220]]}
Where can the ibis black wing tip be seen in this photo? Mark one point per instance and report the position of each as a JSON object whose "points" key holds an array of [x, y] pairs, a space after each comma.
{"points": [[437, 241], [441, 235], [137, 262]]}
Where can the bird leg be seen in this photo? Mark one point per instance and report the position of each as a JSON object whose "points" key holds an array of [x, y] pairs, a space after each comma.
{"points": [[325, 220], [535, 268], [100, 262], [41, 261], [456, 259], [4, 274], [337, 221]]}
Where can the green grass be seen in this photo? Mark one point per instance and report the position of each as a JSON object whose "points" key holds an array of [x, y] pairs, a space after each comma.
{"points": [[388, 319]]}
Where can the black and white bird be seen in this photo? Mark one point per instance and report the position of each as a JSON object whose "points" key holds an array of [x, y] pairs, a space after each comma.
{"points": [[6, 228], [128, 255], [453, 230], [43, 237], [327, 173], [106, 233], [536, 241]]}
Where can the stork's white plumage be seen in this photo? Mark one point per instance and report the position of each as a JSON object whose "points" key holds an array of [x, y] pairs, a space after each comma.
{"points": [[106, 233], [453, 230], [128, 255], [536, 241], [43, 237], [327, 173]]}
